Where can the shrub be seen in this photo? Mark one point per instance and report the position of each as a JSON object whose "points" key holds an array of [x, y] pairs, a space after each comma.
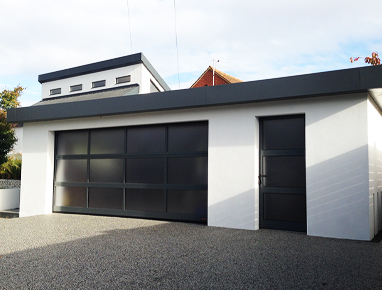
{"points": [[12, 168]]}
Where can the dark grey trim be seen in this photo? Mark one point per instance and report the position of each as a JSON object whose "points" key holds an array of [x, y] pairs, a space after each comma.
{"points": [[133, 213], [304, 86], [102, 66]]}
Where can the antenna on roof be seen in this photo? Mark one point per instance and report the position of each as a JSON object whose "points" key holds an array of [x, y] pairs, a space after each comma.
{"points": [[215, 61]]}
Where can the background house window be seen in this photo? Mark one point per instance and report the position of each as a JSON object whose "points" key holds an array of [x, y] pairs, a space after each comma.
{"points": [[55, 91], [76, 88], [98, 84], [121, 80]]}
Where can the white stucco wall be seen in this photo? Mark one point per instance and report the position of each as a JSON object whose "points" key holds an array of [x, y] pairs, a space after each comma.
{"points": [[375, 167], [138, 72], [336, 160], [18, 146]]}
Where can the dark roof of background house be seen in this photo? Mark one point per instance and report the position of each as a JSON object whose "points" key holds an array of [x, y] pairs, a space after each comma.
{"points": [[363, 79], [87, 96], [102, 66]]}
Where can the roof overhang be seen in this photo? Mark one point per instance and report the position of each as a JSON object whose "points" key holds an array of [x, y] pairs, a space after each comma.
{"points": [[364, 79]]}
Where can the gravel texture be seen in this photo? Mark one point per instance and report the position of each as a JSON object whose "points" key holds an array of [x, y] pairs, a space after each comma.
{"points": [[10, 183], [62, 251]]}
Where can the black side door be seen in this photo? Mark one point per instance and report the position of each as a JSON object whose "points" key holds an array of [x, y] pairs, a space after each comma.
{"points": [[282, 179]]}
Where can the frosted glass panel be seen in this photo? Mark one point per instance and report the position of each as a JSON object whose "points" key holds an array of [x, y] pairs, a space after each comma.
{"points": [[106, 170], [107, 141], [145, 199], [284, 171], [74, 142], [187, 201], [188, 137], [70, 196], [145, 170], [288, 133], [71, 170], [108, 198], [187, 170], [146, 139]]}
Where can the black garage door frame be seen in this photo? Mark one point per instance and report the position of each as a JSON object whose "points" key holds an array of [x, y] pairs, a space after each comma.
{"points": [[282, 178], [162, 171]]}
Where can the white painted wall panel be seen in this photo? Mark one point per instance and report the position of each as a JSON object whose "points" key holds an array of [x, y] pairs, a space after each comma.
{"points": [[336, 160], [86, 80], [375, 167]]}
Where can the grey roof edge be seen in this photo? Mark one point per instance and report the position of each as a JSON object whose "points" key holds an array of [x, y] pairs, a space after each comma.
{"points": [[101, 66], [302, 86]]}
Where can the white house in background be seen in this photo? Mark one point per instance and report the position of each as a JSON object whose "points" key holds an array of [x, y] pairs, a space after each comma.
{"points": [[296, 153]]}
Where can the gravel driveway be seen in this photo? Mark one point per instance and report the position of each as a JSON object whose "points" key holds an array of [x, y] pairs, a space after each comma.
{"points": [[62, 251]]}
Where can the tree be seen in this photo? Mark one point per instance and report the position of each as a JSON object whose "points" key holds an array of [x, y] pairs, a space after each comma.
{"points": [[7, 137], [373, 60], [8, 99]]}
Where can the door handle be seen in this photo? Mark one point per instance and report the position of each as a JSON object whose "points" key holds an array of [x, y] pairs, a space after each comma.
{"points": [[261, 176]]}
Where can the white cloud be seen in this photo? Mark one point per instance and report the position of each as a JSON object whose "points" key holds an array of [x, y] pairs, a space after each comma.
{"points": [[266, 38]]}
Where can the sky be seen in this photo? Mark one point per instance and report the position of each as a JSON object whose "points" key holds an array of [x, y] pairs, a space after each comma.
{"points": [[252, 39]]}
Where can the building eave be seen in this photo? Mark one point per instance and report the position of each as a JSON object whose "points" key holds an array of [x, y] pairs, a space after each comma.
{"points": [[364, 79]]}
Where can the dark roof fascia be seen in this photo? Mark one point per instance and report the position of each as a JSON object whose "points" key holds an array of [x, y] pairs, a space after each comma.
{"points": [[295, 87], [102, 66]]}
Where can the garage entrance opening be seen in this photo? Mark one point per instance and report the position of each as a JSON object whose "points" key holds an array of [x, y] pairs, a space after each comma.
{"points": [[282, 179], [156, 171]]}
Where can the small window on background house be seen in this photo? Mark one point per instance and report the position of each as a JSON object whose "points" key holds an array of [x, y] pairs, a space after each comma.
{"points": [[98, 84], [76, 88], [122, 80], [55, 91], [153, 87]]}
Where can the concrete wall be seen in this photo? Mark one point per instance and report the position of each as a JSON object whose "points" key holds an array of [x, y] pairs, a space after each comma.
{"points": [[375, 167], [336, 160], [138, 72], [9, 198]]}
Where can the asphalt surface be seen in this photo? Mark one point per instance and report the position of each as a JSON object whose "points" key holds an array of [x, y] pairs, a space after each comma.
{"points": [[61, 251]]}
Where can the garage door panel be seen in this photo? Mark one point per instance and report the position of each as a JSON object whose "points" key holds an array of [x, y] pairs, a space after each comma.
{"points": [[106, 170], [107, 141], [70, 196], [110, 198], [187, 201], [145, 199], [72, 142], [187, 170], [71, 170], [146, 140], [145, 170], [187, 137]]}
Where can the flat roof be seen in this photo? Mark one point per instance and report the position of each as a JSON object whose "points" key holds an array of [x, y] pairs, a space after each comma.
{"points": [[102, 66], [363, 79]]}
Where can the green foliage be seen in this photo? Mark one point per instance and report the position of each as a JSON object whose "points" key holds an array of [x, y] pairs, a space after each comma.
{"points": [[7, 137], [9, 98], [11, 169]]}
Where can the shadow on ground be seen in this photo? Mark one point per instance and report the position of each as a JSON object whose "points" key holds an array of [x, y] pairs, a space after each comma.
{"points": [[181, 255]]}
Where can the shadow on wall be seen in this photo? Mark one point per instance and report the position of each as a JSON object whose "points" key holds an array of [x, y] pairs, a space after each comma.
{"points": [[338, 196], [235, 212]]}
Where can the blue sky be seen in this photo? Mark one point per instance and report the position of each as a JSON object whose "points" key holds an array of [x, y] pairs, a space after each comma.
{"points": [[253, 39]]}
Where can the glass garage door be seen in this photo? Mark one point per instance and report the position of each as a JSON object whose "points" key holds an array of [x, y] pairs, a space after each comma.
{"points": [[157, 171]]}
